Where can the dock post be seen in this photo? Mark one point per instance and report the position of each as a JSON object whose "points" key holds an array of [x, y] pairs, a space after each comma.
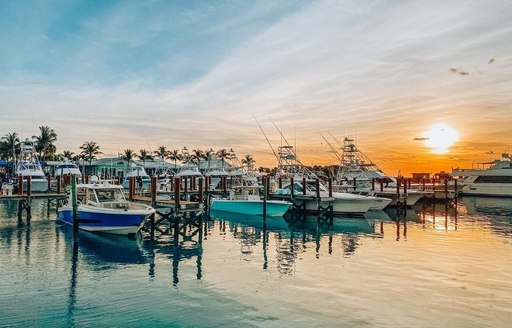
{"points": [[49, 179], [153, 203], [317, 187], [193, 184], [58, 184], [304, 185], [207, 184], [446, 190], [177, 183], [381, 186], [200, 196], [280, 182], [456, 193], [20, 184], [292, 190], [434, 188], [265, 195], [29, 198], [74, 202], [131, 188], [185, 184], [373, 184], [83, 178], [398, 180], [225, 184], [330, 187], [153, 190], [354, 182]]}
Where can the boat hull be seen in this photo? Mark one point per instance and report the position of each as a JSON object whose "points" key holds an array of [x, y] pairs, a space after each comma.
{"points": [[359, 205], [250, 207], [38, 185], [101, 220], [488, 189]]}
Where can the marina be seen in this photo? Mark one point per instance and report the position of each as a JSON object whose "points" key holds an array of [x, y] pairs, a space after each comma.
{"points": [[256, 164]]}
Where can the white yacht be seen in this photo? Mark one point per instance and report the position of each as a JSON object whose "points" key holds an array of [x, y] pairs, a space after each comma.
{"points": [[28, 165], [290, 166], [493, 181], [356, 172], [142, 179], [67, 167]]}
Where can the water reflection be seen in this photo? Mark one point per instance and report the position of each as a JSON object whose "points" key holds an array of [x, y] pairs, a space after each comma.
{"points": [[496, 211]]}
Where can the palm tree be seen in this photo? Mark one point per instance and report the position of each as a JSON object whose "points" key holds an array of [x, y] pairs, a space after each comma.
{"points": [[128, 155], [248, 160], [198, 155], [174, 155], [90, 151], [143, 156], [162, 152], [68, 154], [222, 155], [9, 144], [44, 142]]}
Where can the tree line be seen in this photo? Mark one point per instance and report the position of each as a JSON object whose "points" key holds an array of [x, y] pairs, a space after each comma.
{"points": [[44, 146]]}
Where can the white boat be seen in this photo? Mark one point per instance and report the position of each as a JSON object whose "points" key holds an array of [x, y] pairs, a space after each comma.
{"points": [[67, 167], [493, 181], [189, 169], [290, 166], [142, 179], [342, 202], [28, 164], [103, 208], [356, 173]]}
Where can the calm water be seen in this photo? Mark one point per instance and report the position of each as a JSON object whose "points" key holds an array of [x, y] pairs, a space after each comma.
{"points": [[434, 268]]}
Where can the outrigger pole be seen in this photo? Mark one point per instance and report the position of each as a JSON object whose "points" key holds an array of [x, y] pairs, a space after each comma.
{"points": [[272, 148]]}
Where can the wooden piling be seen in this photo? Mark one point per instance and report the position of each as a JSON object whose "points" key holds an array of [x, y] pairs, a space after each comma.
{"points": [[381, 186], [49, 181], [446, 189], [131, 188], [20, 184], [354, 183], [200, 196], [304, 189], [225, 184], [317, 187], [74, 202], [177, 182], [373, 184], [280, 182], [330, 187], [207, 183], [292, 190], [153, 190], [265, 188]]}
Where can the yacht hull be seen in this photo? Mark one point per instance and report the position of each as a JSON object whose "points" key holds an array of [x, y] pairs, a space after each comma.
{"points": [[38, 185], [488, 189]]}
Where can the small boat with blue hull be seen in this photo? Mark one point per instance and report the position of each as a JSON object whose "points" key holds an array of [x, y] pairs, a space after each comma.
{"points": [[103, 208], [251, 207], [246, 200]]}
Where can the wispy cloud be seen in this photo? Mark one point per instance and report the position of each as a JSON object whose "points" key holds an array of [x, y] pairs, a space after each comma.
{"points": [[136, 74]]}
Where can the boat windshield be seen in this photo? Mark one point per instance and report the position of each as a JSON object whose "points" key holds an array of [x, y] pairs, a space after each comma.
{"points": [[110, 195]]}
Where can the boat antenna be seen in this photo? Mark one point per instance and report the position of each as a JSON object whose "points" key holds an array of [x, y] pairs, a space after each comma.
{"points": [[281, 134], [272, 148], [333, 150]]}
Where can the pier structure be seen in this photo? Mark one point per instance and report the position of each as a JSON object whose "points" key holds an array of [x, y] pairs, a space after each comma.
{"points": [[25, 197]]}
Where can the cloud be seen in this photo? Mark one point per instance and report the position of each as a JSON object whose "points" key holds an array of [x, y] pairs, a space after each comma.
{"points": [[195, 75]]}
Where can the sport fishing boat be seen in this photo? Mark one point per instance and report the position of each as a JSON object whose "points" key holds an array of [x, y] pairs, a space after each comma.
{"points": [[493, 181], [67, 167], [103, 208], [246, 200], [356, 173], [343, 202], [28, 165], [142, 179]]}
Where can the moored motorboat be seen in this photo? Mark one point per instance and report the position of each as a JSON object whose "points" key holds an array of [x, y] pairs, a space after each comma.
{"points": [[103, 208], [142, 179], [28, 165]]}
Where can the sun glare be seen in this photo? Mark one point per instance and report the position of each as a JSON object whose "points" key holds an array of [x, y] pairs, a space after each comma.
{"points": [[440, 137]]}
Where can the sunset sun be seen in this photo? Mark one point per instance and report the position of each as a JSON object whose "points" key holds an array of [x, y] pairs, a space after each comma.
{"points": [[440, 137]]}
